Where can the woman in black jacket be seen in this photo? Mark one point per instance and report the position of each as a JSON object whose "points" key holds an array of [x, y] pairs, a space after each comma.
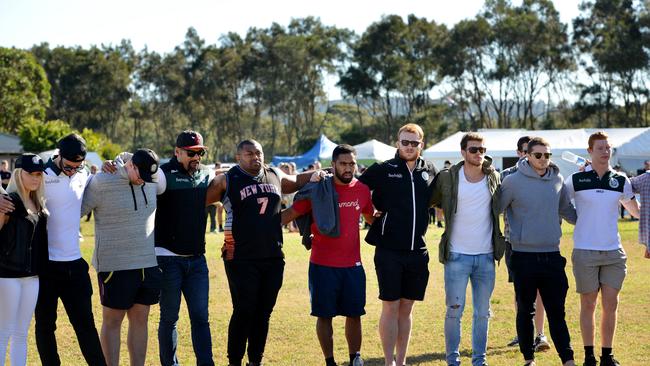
{"points": [[23, 252]]}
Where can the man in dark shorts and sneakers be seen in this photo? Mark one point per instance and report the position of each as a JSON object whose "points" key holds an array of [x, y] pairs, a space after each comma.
{"points": [[337, 281], [535, 201], [401, 190], [599, 261], [252, 250], [541, 341], [129, 279]]}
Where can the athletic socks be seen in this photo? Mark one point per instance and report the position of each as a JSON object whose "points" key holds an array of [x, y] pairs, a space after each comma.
{"points": [[589, 351], [330, 361], [607, 352]]}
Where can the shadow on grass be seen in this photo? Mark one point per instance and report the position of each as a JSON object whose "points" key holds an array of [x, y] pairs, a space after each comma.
{"points": [[437, 356]]}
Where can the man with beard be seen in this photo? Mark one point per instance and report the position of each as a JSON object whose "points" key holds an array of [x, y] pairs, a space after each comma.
{"points": [[252, 250], [599, 261], [337, 281], [180, 247], [401, 190], [534, 198], [471, 243]]}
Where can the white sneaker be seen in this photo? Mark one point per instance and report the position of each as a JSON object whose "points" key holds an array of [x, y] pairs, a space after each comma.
{"points": [[541, 343], [357, 360]]}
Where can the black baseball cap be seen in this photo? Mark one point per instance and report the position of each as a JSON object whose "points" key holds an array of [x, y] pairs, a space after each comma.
{"points": [[30, 163], [190, 140], [72, 148], [146, 161]]}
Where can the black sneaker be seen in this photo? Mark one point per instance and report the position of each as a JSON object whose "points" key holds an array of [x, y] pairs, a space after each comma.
{"points": [[590, 361], [514, 342], [609, 361]]}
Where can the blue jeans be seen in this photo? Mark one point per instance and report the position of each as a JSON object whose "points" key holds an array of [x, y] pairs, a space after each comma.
{"points": [[189, 276], [479, 269]]}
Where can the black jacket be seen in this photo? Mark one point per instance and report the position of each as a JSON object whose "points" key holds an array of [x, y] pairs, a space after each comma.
{"points": [[180, 213], [403, 198], [23, 242]]}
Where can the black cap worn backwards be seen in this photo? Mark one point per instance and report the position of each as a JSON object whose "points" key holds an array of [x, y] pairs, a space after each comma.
{"points": [[30, 163], [190, 140], [73, 148], [146, 161]]}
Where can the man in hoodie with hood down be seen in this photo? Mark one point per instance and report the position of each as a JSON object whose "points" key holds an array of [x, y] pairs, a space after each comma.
{"points": [[129, 279], [535, 199]]}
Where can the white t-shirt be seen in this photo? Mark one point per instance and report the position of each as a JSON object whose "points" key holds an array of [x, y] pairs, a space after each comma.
{"points": [[596, 200], [63, 196], [472, 229]]}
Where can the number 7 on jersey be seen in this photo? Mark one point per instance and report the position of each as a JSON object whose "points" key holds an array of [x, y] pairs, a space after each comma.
{"points": [[264, 201]]}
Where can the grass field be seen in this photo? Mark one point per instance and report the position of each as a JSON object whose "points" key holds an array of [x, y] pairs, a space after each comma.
{"points": [[292, 339]]}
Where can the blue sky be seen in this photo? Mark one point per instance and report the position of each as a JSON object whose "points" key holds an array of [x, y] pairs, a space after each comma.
{"points": [[161, 25]]}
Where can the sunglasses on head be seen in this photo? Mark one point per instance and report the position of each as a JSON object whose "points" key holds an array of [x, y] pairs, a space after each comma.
{"points": [[475, 149], [409, 142], [538, 155], [192, 153]]}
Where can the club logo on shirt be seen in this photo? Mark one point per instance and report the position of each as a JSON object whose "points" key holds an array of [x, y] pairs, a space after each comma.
{"points": [[425, 175], [396, 175], [613, 182], [584, 180]]}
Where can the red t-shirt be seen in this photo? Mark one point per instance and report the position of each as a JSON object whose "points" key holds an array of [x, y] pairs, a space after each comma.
{"points": [[344, 251]]}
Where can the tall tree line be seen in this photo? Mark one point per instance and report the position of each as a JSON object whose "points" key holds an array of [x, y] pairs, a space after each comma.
{"points": [[510, 66]]}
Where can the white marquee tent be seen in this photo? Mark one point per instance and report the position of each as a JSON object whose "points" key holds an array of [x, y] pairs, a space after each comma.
{"points": [[375, 150], [631, 146]]}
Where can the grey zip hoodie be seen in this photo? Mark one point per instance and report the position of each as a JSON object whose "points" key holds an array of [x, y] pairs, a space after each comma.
{"points": [[124, 221], [533, 206]]}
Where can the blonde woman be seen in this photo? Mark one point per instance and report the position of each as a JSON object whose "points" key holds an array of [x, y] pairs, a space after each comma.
{"points": [[23, 252]]}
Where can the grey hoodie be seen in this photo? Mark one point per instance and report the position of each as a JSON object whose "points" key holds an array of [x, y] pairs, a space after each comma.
{"points": [[534, 205], [124, 221]]}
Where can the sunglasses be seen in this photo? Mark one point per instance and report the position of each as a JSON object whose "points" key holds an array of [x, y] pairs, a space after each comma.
{"points": [[538, 155], [475, 149], [192, 153], [409, 142]]}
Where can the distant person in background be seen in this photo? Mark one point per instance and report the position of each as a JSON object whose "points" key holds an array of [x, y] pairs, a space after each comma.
{"points": [[211, 210], [641, 186], [93, 171], [5, 174], [23, 244]]}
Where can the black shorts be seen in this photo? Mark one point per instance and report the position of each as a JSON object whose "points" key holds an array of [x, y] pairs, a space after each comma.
{"points": [[508, 256], [122, 289], [401, 274]]}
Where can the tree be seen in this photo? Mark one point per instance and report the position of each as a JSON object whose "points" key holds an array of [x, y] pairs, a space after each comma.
{"points": [[24, 89], [36, 136]]}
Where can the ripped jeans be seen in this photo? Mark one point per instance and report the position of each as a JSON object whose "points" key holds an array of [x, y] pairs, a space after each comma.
{"points": [[459, 269]]}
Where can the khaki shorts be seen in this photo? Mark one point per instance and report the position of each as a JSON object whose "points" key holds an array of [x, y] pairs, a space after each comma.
{"points": [[593, 268]]}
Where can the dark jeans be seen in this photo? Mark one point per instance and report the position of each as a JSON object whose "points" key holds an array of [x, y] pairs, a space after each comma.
{"points": [[70, 282], [189, 276], [254, 287], [543, 272]]}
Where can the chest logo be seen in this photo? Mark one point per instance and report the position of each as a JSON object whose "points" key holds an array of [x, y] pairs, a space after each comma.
{"points": [[396, 175], [613, 182], [425, 175]]}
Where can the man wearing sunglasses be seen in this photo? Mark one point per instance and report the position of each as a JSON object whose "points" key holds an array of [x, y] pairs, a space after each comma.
{"points": [[535, 201], [180, 246], [541, 342], [401, 190], [599, 261], [66, 276], [471, 243]]}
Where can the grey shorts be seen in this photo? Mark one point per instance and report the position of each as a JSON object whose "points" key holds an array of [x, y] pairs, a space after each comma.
{"points": [[593, 268]]}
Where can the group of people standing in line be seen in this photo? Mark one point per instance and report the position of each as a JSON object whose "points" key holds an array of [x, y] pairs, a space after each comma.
{"points": [[150, 224]]}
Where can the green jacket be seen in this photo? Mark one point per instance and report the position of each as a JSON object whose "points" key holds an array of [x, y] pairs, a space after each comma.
{"points": [[445, 196]]}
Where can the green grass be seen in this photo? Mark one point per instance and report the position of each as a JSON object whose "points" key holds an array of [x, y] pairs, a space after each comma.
{"points": [[292, 339]]}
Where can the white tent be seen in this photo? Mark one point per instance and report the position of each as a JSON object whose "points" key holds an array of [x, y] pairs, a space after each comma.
{"points": [[375, 150], [631, 146]]}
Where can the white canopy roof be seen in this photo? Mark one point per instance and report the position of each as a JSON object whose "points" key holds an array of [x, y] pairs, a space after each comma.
{"points": [[375, 150], [631, 145]]}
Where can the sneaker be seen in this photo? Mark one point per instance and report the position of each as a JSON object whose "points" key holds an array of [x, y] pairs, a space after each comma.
{"points": [[514, 342], [541, 343], [531, 363], [609, 361], [357, 360], [591, 361], [440, 224]]}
